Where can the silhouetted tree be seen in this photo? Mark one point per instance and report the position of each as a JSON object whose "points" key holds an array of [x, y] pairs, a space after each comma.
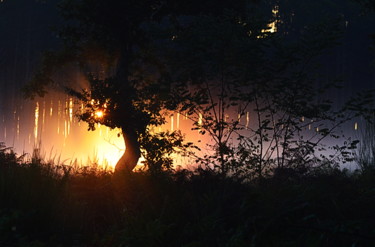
{"points": [[127, 90]]}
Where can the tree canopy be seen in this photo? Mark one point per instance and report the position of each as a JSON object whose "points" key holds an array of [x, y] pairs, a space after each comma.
{"points": [[144, 57]]}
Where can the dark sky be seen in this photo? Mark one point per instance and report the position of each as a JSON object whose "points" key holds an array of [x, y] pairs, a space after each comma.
{"points": [[25, 31]]}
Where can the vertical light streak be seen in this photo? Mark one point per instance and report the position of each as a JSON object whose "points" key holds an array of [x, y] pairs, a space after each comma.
{"points": [[36, 121], [59, 108], [200, 120], [71, 109], [44, 115], [69, 124], [172, 122], [18, 127], [247, 120], [65, 129], [58, 116], [51, 109], [178, 121], [66, 112], [4, 133], [355, 126], [15, 120]]}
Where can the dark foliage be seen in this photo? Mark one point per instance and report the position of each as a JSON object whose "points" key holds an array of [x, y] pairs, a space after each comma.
{"points": [[46, 205]]}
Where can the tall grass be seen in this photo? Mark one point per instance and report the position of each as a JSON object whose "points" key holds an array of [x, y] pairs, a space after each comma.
{"points": [[42, 204]]}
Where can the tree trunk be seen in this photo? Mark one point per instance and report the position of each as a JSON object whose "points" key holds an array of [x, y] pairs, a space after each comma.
{"points": [[132, 152]]}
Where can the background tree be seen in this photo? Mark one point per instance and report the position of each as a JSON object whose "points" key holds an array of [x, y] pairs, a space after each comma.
{"points": [[228, 66]]}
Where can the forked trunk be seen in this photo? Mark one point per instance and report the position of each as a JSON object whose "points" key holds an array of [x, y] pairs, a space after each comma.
{"points": [[132, 152]]}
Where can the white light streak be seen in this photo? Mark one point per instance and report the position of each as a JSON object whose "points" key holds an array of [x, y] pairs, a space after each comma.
{"points": [[247, 120], [70, 109], [51, 109], [36, 121]]}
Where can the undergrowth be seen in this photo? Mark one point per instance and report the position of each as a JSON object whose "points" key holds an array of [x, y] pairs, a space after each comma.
{"points": [[42, 204]]}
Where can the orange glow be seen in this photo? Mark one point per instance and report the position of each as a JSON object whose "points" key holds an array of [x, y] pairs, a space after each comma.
{"points": [[106, 146], [51, 127], [99, 114]]}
